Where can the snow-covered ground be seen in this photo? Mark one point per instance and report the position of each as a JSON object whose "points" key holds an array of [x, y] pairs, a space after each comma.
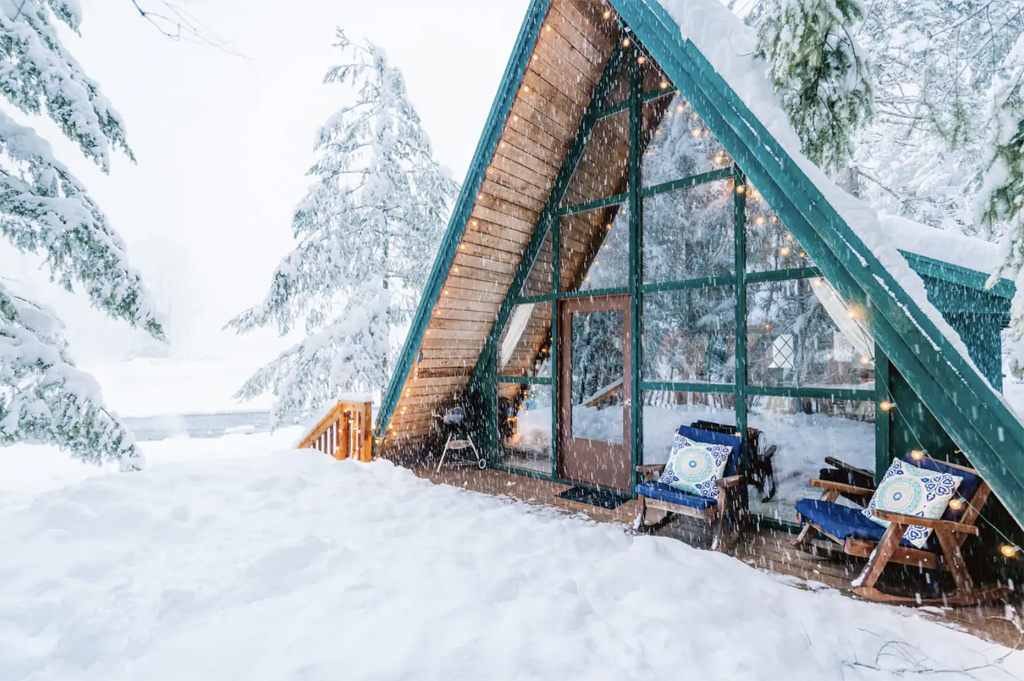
{"points": [[233, 559]]}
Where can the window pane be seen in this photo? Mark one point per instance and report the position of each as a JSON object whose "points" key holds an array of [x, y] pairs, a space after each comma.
{"points": [[770, 246], [799, 333], [595, 249], [524, 346], [664, 412], [690, 335], [601, 171], [598, 365], [540, 282], [805, 431], [689, 233], [524, 426], [681, 145]]}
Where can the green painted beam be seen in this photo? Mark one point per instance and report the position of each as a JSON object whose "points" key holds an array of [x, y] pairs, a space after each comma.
{"points": [[686, 387], [687, 182], [636, 261], [500, 109], [592, 205]]}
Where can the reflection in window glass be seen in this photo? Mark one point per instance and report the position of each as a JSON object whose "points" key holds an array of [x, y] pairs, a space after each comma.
{"points": [[539, 282], [602, 169], [595, 249], [770, 246], [524, 426], [664, 412], [525, 343], [690, 335], [689, 233], [598, 363], [805, 431], [799, 333], [681, 146]]}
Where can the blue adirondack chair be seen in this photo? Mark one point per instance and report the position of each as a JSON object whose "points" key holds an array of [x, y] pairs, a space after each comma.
{"points": [[857, 535], [659, 496]]}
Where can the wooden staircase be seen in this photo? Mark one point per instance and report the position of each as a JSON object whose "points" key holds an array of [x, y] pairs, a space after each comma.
{"points": [[345, 432]]}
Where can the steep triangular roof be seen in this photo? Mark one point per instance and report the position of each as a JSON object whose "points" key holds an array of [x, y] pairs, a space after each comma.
{"points": [[728, 88]]}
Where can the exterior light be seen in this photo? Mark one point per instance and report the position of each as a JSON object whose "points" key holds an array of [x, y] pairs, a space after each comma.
{"points": [[515, 118], [626, 42], [680, 108], [462, 246], [1009, 551], [526, 88], [456, 269], [956, 504], [851, 314], [607, 14], [695, 132], [740, 189], [886, 406], [865, 360], [768, 326], [784, 251], [759, 220], [917, 454], [664, 85], [641, 59], [446, 291]]}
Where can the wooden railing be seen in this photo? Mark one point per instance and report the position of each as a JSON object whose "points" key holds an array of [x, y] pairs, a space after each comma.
{"points": [[346, 432]]}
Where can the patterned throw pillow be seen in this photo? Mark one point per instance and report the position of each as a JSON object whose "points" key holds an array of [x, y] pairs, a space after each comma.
{"points": [[695, 467], [916, 491]]}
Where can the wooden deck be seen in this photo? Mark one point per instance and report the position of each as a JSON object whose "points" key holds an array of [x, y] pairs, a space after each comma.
{"points": [[765, 548]]}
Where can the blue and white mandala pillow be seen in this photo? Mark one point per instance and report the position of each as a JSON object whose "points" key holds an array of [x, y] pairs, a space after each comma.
{"points": [[695, 467], [915, 491]]}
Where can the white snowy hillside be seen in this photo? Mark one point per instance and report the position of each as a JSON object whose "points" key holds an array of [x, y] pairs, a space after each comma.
{"points": [[729, 45], [254, 564]]}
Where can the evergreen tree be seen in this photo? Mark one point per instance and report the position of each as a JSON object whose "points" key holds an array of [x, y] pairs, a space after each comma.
{"points": [[932, 64], [45, 210], [366, 231], [822, 72], [1001, 199]]}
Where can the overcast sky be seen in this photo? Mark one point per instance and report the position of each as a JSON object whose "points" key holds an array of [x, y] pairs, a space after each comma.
{"points": [[223, 141]]}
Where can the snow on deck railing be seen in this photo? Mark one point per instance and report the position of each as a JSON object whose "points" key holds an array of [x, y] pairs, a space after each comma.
{"points": [[345, 432]]}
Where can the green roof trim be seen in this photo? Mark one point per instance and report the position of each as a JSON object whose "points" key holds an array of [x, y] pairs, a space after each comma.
{"points": [[957, 274]]}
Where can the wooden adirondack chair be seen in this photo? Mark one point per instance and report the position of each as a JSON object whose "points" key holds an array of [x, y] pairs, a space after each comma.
{"points": [[858, 536], [659, 496]]}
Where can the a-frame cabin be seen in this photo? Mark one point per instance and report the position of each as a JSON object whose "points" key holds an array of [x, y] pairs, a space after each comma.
{"points": [[639, 244]]}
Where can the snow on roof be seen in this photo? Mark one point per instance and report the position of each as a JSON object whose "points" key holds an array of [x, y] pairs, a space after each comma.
{"points": [[948, 246], [729, 45]]}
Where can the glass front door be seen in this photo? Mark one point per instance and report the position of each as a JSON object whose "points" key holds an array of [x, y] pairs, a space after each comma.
{"points": [[594, 392]]}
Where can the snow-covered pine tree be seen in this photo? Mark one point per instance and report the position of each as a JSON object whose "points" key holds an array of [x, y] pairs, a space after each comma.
{"points": [[817, 65], [932, 64], [1001, 199], [45, 210], [366, 231]]}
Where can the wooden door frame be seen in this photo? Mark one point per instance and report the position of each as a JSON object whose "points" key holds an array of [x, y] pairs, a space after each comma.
{"points": [[608, 477]]}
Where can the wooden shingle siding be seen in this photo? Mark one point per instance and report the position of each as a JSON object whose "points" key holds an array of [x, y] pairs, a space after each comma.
{"points": [[558, 82]]}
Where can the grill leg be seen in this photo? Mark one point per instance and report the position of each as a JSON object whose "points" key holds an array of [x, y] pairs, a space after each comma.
{"points": [[443, 454]]}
